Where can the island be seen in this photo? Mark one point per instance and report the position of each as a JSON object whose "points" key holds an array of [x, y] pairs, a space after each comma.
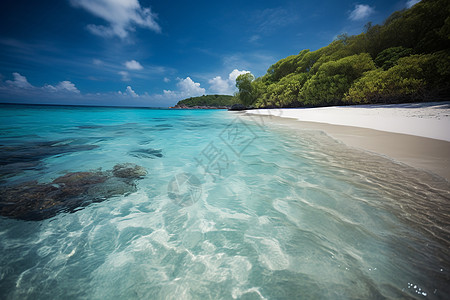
{"points": [[207, 102]]}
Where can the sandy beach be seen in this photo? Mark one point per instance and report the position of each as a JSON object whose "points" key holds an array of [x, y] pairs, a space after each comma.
{"points": [[416, 134]]}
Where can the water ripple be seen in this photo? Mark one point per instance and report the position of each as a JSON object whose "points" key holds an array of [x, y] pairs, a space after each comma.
{"points": [[296, 215]]}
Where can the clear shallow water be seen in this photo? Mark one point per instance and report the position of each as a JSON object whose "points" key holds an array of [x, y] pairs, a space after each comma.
{"points": [[265, 213]]}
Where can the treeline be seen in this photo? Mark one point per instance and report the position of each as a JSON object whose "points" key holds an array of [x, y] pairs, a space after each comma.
{"points": [[208, 100], [406, 59]]}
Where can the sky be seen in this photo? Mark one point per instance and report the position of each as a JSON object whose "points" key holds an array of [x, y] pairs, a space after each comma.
{"points": [[154, 53]]}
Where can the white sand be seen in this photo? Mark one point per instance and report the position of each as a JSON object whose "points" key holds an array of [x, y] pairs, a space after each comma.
{"points": [[431, 120]]}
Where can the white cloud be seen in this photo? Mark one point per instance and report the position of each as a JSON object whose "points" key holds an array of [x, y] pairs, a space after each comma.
{"points": [[411, 3], [130, 92], [166, 80], [122, 15], [361, 12], [219, 85], [186, 88], [234, 74], [19, 81], [133, 65], [189, 87], [225, 86], [125, 75], [63, 86], [65, 92]]}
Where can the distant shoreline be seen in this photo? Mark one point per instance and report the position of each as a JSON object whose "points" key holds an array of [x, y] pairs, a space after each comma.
{"points": [[199, 107]]}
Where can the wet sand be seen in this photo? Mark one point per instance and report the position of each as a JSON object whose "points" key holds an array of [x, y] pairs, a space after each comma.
{"points": [[430, 155]]}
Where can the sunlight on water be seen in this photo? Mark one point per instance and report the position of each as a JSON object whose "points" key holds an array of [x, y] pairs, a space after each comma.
{"points": [[229, 208]]}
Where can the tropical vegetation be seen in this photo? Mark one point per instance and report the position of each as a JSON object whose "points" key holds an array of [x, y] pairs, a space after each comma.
{"points": [[208, 100], [405, 59]]}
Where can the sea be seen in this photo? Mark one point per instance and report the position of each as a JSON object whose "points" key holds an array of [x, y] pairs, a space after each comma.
{"points": [[231, 206]]}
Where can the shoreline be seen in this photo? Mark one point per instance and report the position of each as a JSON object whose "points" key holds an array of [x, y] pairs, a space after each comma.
{"points": [[420, 152], [427, 119]]}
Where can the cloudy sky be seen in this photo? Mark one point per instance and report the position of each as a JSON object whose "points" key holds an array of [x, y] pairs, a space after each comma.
{"points": [[156, 52]]}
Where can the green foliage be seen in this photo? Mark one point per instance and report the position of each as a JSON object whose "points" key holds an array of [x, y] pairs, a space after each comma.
{"points": [[389, 57], [413, 78], [208, 100], [307, 61], [351, 66], [244, 84], [291, 87], [444, 32], [386, 87], [334, 51], [334, 78], [259, 90], [285, 93], [368, 89], [289, 65], [325, 90], [421, 28], [411, 50]]}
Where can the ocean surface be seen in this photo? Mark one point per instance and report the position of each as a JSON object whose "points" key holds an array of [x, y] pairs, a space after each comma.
{"points": [[231, 207]]}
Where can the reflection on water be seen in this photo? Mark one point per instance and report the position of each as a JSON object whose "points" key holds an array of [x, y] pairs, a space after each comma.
{"points": [[292, 214]]}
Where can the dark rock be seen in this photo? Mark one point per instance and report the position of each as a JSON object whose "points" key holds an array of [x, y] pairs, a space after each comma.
{"points": [[27, 199], [111, 187], [39, 201], [81, 178], [237, 107], [129, 171], [17, 167], [15, 158]]}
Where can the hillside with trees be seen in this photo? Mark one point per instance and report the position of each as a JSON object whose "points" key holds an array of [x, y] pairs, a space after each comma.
{"points": [[208, 101], [405, 59]]}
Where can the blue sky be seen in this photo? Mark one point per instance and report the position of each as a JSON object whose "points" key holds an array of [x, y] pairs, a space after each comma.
{"points": [[156, 52]]}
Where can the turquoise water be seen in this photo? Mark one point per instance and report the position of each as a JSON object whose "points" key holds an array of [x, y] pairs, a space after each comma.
{"points": [[232, 207]]}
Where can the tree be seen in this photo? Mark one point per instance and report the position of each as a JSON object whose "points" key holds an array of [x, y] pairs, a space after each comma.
{"points": [[343, 37], [291, 86], [389, 57], [244, 84], [208, 100], [288, 65], [411, 50], [259, 90], [414, 78], [334, 78]]}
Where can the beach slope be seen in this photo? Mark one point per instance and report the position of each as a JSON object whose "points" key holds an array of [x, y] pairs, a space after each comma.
{"points": [[417, 134]]}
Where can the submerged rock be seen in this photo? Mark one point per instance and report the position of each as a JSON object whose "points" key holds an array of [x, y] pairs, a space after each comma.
{"points": [[16, 158], [129, 171], [81, 178], [39, 201], [111, 187]]}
